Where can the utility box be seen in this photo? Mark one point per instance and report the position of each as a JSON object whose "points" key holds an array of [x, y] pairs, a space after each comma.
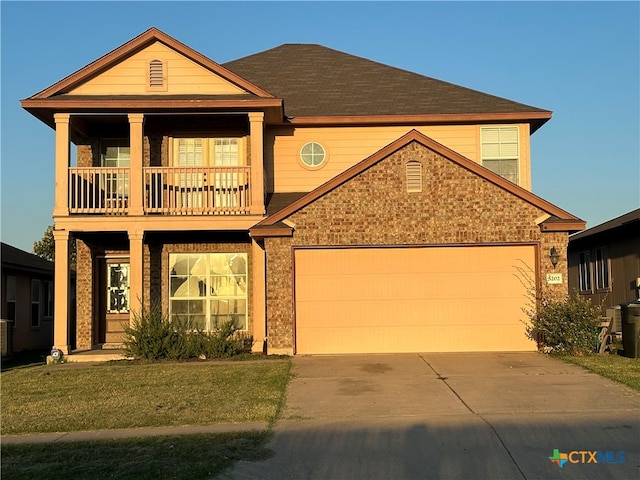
{"points": [[631, 329], [6, 337]]}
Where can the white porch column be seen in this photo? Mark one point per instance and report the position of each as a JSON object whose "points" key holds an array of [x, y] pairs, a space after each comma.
{"points": [[136, 177], [258, 296], [135, 272], [256, 133], [61, 320], [61, 200]]}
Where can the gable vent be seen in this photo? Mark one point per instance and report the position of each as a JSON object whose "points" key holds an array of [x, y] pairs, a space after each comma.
{"points": [[156, 71], [414, 176]]}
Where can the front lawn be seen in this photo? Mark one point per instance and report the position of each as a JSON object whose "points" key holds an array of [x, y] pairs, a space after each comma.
{"points": [[614, 367], [71, 397], [187, 457]]}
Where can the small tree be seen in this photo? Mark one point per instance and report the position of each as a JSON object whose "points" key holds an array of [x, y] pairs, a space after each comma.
{"points": [[46, 247]]}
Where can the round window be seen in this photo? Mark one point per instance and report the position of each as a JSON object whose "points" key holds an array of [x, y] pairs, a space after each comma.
{"points": [[312, 154]]}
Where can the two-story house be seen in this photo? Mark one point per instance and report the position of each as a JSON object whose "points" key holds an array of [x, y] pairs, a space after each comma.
{"points": [[324, 202]]}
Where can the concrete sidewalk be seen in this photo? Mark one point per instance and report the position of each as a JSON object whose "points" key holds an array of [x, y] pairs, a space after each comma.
{"points": [[450, 416], [90, 435]]}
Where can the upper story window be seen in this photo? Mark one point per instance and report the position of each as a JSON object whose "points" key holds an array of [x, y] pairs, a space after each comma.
{"points": [[213, 152], [584, 272], [115, 152], [414, 176], [500, 151], [602, 269], [156, 75], [312, 154]]}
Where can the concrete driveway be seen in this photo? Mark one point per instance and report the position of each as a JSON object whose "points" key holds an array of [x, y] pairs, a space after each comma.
{"points": [[450, 416]]}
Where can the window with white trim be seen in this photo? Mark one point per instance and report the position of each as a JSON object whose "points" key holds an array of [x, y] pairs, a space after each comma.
{"points": [[500, 151], [35, 302], [229, 183], [11, 298], [414, 176], [116, 153], [312, 154], [208, 289], [602, 269], [584, 272]]}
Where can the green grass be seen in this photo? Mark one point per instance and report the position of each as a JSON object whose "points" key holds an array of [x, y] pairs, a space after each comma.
{"points": [[614, 367], [189, 457], [72, 397]]}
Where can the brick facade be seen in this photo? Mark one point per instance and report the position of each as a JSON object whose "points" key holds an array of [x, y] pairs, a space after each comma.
{"points": [[456, 206]]}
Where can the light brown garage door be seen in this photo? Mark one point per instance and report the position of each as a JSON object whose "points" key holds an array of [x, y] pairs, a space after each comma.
{"points": [[431, 299]]}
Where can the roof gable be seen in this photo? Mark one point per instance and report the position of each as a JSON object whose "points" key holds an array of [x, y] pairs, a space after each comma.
{"points": [[182, 76], [129, 55], [562, 220]]}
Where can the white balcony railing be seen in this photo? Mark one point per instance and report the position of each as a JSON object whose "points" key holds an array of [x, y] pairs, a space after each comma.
{"points": [[197, 190], [98, 190], [167, 190]]}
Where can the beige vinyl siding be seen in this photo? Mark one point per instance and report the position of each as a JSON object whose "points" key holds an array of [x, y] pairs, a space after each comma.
{"points": [[131, 76], [430, 299], [347, 146]]}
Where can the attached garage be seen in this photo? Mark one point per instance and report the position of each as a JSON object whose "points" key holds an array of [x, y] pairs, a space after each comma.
{"points": [[411, 299]]}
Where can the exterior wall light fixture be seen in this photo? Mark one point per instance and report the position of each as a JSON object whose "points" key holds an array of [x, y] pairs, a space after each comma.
{"points": [[554, 256]]}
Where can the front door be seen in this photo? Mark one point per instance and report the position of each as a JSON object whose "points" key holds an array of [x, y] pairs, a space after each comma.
{"points": [[114, 300]]}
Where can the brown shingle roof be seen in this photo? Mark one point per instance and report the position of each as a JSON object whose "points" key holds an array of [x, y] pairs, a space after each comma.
{"points": [[14, 258], [315, 80]]}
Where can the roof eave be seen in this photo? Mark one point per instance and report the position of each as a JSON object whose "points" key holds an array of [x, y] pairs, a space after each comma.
{"points": [[44, 109], [535, 119]]}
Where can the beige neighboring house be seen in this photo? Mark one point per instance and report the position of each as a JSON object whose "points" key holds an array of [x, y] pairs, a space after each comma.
{"points": [[27, 301], [324, 202]]}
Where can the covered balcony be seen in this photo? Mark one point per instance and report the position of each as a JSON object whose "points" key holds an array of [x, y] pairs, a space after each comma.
{"points": [[131, 166]]}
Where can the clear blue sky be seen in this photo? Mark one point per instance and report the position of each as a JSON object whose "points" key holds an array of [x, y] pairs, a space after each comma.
{"points": [[578, 59]]}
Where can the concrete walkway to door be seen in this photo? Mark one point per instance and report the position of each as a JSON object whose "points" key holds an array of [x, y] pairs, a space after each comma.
{"points": [[450, 416]]}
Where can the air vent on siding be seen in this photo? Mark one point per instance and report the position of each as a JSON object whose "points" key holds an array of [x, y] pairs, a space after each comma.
{"points": [[156, 71], [414, 176]]}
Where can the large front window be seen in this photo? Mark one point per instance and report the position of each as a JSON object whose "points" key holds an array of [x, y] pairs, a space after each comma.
{"points": [[208, 289], [501, 151]]}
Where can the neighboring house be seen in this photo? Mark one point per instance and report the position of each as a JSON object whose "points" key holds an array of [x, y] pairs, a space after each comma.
{"points": [[604, 262], [324, 202], [27, 299]]}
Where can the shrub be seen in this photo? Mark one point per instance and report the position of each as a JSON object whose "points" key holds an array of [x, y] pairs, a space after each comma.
{"points": [[560, 323], [567, 325], [153, 335]]}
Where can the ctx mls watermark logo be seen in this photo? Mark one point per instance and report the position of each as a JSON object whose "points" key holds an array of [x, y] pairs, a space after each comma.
{"points": [[586, 456]]}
